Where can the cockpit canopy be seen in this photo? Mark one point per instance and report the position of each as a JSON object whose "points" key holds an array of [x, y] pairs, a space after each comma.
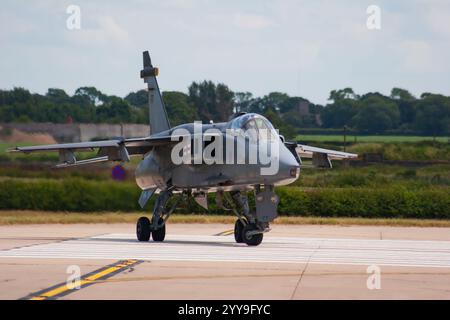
{"points": [[253, 124]]}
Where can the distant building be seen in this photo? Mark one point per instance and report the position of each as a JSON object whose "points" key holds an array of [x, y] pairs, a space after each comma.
{"points": [[75, 132], [303, 108]]}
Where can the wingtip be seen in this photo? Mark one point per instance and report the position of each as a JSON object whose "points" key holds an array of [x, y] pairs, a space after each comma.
{"points": [[13, 149]]}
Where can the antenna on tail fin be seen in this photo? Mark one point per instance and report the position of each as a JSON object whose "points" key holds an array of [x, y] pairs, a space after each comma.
{"points": [[157, 111]]}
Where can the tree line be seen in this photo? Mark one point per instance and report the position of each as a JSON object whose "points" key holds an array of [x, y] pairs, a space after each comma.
{"points": [[371, 113]]}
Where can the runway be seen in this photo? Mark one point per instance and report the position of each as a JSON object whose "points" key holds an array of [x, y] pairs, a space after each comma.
{"points": [[293, 262], [224, 249]]}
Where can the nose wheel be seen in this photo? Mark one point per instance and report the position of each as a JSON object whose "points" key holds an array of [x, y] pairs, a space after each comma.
{"points": [[249, 234], [252, 235], [238, 228]]}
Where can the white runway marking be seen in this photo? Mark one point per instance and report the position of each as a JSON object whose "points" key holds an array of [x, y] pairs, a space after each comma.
{"points": [[220, 248]]}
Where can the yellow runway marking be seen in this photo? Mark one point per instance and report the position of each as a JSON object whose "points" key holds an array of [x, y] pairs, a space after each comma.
{"points": [[91, 278], [225, 233]]}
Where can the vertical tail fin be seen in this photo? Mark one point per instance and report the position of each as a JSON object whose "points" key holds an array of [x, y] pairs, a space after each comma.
{"points": [[157, 111]]}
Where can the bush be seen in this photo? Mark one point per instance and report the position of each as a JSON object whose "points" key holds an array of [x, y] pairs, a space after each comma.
{"points": [[84, 196], [68, 195], [365, 202]]}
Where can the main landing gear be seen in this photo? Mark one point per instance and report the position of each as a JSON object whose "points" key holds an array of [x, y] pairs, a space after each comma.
{"points": [[156, 227]]}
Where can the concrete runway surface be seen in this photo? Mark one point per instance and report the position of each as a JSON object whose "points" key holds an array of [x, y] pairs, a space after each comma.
{"points": [[198, 261]]}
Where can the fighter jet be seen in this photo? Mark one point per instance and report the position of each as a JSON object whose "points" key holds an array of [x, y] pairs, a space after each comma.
{"points": [[230, 159]]}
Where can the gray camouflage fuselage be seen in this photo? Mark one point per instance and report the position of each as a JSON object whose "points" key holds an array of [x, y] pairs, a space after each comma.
{"points": [[157, 168]]}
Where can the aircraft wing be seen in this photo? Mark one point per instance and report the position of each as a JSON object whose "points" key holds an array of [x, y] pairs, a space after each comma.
{"points": [[77, 146], [108, 150], [308, 152], [320, 157]]}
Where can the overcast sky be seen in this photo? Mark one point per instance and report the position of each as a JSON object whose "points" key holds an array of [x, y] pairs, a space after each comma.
{"points": [[304, 48]]}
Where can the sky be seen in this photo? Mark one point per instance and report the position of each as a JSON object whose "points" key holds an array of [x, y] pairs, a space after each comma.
{"points": [[303, 48]]}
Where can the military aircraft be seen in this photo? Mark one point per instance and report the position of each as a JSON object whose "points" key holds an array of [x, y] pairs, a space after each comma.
{"points": [[230, 179]]}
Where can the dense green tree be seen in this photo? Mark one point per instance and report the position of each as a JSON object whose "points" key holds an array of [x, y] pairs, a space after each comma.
{"points": [[372, 112], [339, 114], [16, 95], [433, 115], [290, 103], [116, 110], [407, 106], [294, 118], [274, 100], [203, 97], [224, 102], [213, 102], [401, 94], [242, 101], [138, 98], [95, 96], [342, 94], [179, 110], [57, 95], [376, 114]]}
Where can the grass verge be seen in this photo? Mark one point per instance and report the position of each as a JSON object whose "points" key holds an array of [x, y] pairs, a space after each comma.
{"points": [[9, 217], [363, 138]]}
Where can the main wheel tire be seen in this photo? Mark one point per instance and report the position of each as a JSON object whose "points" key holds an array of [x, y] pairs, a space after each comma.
{"points": [[238, 228], [253, 240], [159, 234], [143, 229]]}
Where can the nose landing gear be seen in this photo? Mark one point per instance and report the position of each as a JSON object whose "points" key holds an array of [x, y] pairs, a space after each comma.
{"points": [[238, 231], [251, 226], [252, 235]]}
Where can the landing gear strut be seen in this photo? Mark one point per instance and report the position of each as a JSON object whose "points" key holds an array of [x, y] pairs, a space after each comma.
{"points": [[249, 228], [156, 228]]}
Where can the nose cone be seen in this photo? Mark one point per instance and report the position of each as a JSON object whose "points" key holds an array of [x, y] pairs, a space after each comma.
{"points": [[289, 169], [287, 159]]}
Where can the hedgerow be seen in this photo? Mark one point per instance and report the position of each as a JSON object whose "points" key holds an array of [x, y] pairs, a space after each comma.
{"points": [[87, 196]]}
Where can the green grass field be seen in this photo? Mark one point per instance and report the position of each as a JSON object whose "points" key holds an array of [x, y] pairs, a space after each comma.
{"points": [[16, 217], [375, 138], [5, 145]]}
